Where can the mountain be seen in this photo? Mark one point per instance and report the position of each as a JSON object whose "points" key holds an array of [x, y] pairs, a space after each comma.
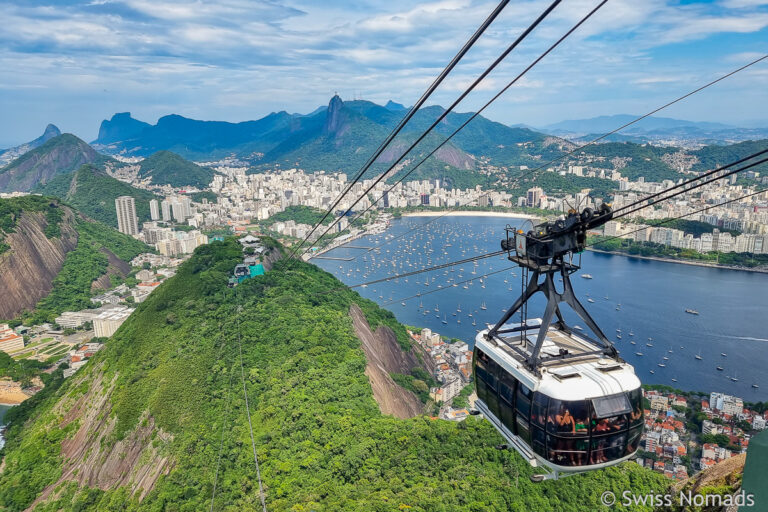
{"points": [[121, 127], [341, 137], [157, 419], [59, 155], [656, 128], [51, 257], [201, 139], [8, 155], [395, 107], [93, 192], [167, 168]]}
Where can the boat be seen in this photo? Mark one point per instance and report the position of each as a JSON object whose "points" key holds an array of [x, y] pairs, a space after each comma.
{"points": [[652, 371], [692, 311], [445, 319], [662, 365], [719, 368], [649, 344], [640, 354], [458, 309], [723, 354], [632, 342], [618, 336], [586, 276], [590, 300], [698, 356], [674, 379], [755, 386]]}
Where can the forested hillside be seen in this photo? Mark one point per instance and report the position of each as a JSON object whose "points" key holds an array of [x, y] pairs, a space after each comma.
{"points": [[157, 420], [93, 192]]}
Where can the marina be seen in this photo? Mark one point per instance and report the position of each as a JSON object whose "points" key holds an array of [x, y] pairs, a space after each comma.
{"points": [[635, 298]]}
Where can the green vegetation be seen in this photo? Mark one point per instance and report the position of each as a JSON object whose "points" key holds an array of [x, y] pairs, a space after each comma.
{"points": [[93, 193], [555, 184], [322, 443], [206, 194], [714, 156], [650, 249], [461, 401], [646, 160], [166, 168], [694, 227], [300, 215], [11, 210], [21, 371], [72, 286], [419, 382]]}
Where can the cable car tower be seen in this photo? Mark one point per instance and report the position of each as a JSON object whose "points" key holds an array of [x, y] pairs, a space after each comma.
{"points": [[561, 398], [546, 251]]}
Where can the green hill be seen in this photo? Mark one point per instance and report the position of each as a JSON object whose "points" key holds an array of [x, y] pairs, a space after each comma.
{"points": [[93, 192], [158, 419], [166, 168], [51, 256], [59, 155]]}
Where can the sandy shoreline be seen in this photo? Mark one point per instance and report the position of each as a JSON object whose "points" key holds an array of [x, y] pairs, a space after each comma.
{"points": [[683, 262], [12, 398], [470, 214]]}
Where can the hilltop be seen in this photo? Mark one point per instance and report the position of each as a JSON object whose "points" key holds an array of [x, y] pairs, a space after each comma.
{"points": [[158, 418], [59, 155], [93, 192], [167, 168], [51, 257]]}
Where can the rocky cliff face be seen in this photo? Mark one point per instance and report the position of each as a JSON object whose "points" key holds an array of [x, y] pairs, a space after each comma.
{"points": [[28, 268], [384, 357]]}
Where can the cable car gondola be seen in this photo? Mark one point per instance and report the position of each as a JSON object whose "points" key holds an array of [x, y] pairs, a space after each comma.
{"points": [[563, 399]]}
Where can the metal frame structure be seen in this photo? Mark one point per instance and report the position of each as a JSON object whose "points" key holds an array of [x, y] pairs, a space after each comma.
{"points": [[543, 251]]}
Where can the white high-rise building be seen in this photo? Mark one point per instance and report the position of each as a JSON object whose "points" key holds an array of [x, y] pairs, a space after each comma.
{"points": [[166, 208], [154, 209], [127, 222]]}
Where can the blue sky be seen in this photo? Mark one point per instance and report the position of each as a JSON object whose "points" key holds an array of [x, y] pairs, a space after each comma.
{"points": [[74, 63]]}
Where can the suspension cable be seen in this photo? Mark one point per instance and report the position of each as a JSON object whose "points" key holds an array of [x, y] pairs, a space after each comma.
{"points": [[578, 148], [694, 187], [665, 221], [447, 111], [487, 104], [411, 112], [687, 182]]}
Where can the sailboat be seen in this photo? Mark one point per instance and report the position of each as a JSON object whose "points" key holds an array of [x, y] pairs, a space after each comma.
{"points": [[698, 356], [445, 319], [483, 306]]}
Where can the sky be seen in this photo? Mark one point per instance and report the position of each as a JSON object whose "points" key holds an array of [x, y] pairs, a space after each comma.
{"points": [[76, 62]]}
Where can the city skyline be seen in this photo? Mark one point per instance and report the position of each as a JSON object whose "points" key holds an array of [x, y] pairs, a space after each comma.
{"points": [[230, 61]]}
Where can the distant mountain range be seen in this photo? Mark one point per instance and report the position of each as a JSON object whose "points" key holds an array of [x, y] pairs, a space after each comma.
{"points": [[653, 129], [8, 155], [340, 136]]}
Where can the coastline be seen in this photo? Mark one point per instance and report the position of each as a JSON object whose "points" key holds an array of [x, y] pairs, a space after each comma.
{"points": [[472, 213], [682, 262]]}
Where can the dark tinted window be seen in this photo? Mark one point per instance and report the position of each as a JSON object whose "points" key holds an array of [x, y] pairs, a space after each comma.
{"points": [[507, 387], [636, 403], [568, 418], [567, 452], [608, 448], [523, 404], [633, 440], [538, 438], [493, 372], [539, 410], [601, 426], [482, 389], [522, 429], [507, 415]]}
